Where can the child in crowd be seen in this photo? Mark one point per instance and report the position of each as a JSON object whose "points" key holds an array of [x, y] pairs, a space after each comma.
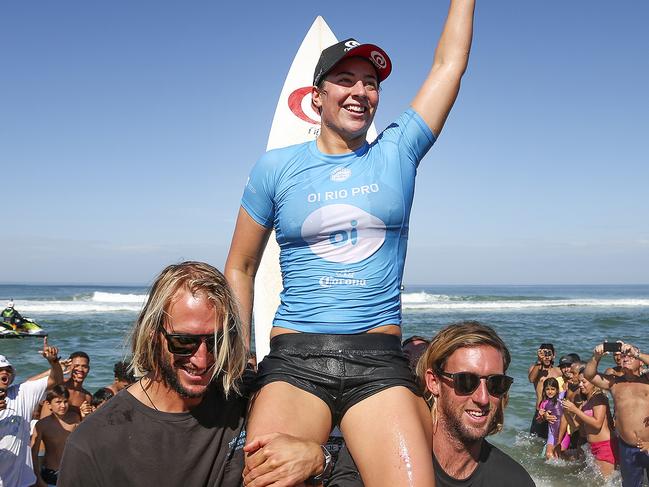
{"points": [[98, 398], [53, 431], [551, 405]]}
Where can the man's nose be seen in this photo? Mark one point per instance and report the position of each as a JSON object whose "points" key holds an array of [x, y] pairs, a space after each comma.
{"points": [[202, 356], [481, 395]]}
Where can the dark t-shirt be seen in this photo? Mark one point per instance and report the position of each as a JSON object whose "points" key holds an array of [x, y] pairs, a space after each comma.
{"points": [[127, 443], [495, 469]]}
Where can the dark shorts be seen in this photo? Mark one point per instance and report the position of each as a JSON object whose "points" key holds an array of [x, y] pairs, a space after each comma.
{"points": [[342, 370], [539, 428], [634, 464], [49, 476]]}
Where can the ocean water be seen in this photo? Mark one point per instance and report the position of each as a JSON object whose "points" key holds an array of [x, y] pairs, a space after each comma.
{"points": [[98, 319]]}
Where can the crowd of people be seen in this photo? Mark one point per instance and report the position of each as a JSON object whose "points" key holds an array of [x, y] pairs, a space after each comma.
{"points": [[38, 415], [573, 409], [190, 381], [190, 394]]}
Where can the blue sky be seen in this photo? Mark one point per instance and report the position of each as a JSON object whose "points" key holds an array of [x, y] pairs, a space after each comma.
{"points": [[127, 130]]}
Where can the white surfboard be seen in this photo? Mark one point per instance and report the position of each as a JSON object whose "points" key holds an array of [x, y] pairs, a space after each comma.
{"points": [[295, 122]]}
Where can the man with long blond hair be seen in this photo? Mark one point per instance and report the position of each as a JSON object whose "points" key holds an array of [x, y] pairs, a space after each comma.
{"points": [[182, 422], [462, 374]]}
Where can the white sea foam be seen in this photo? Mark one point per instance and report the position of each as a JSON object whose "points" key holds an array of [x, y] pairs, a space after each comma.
{"points": [[101, 297], [425, 301], [97, 302]]}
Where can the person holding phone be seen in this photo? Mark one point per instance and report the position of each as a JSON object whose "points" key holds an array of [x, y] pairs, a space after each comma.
{"points": [[630, 393], [614, 350], [540, 370]]}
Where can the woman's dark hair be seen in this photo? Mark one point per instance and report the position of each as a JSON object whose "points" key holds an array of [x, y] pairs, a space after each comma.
{"points": [[551, 382]]}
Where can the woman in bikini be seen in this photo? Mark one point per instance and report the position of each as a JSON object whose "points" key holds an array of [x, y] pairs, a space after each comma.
{"points": [[596, 422]]}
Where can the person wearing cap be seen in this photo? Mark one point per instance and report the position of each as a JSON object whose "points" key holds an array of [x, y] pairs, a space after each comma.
{"points": [[567, 373], [17, 402], [340, 208]]}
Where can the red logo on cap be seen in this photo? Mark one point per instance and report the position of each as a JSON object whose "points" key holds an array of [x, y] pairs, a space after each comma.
{"points": [[295, 104], [378, 59]]}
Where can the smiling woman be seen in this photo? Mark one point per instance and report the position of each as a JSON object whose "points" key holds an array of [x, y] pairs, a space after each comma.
{"points": [[347, 100], [340, 208]]}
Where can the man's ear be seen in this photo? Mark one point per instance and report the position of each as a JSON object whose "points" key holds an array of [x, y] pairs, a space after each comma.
{"points": [[432, 382], [316, 100]]}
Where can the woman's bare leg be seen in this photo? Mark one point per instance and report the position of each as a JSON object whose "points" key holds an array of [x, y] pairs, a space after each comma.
{"points": [[390, 437], [282, 408], [605, 468]]}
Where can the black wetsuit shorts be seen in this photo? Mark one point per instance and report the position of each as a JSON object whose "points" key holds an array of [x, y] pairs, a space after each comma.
{"points": [[342, 370]]}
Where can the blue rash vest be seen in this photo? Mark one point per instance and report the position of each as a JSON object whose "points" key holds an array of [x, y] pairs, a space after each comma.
{"points": [[341, 222]]}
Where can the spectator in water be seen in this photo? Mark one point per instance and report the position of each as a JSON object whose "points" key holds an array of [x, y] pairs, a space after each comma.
{"points": [[123, 377], [595, 421], [53, 431], [17, 403], [536, 374]]}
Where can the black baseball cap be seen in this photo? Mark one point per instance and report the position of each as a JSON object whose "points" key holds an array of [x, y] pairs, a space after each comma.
{"points": [[332, 55], [569, 359]]}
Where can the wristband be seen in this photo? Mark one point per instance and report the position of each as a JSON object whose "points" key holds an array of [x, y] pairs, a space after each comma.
{"points": [[327, 466]]}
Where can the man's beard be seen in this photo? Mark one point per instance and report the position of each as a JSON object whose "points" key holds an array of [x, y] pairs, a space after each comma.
{"points": [[170, 377], [456, 429]]}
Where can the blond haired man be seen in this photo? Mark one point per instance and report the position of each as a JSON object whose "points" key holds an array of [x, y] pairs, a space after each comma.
{"points": [[463, 376], [182, 422]]}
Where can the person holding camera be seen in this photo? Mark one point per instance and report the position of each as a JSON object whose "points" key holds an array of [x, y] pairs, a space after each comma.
{"points": [[542, 369], [594, 420], [630, 393]]}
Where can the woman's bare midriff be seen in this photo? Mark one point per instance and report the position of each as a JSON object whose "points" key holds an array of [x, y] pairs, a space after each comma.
{"points": [[387, 329]]}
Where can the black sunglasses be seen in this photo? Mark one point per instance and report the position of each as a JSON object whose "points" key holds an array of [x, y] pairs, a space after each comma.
{"points": [[186, 345], [465, 383]]}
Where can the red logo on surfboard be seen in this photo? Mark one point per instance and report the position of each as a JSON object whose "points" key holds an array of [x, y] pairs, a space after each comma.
{"points": [[295, 100]]}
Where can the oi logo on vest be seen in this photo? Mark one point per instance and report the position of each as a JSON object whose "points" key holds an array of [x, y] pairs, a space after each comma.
{"points": [[342, 233]]}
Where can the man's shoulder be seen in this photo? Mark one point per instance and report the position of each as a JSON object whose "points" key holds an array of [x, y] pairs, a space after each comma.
{"points": [[623, 380], [497, 462], [69, 385], [22, 390], [123, 411], [46, 422], [226, 408]]}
